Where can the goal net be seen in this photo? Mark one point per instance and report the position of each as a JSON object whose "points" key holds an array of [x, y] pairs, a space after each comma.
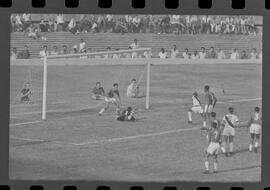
{"points": [[62, 85]]}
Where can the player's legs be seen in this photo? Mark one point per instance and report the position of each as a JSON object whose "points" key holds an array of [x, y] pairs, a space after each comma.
{"points": [[257, 141], [231, 137], [206, 163], [190, 115], [224, 144], [104, 108], [252, 140], [215, 162]]}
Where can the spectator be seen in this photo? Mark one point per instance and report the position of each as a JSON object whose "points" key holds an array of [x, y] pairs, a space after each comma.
{"points": [[64, 50], [74, 49], [13, 54], [234, 54], [162, 54], [108, 55], [253, 54], [43, 52], [147, 54], [134, 45], [72, 26], [195, 55], [186, 54], [127, 54], [60, 22], [54, 51], [220, 54], [25, 54], [116, 55], [212, 54], [244, 55], [82, 46], [202, 53], [174, 52]]}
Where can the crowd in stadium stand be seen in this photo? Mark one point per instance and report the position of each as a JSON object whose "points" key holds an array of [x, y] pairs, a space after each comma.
{"points": [[159, 24], [173, 53]]}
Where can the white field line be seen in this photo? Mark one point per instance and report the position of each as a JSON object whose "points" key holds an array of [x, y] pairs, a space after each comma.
{"points": [[51, 111], [24, 123], [239, 100], [111, 140], [135, 136]]}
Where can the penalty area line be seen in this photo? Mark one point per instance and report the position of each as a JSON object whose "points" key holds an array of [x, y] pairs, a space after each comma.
{"points": [[136, 136], [239, 100], [24, 123]]}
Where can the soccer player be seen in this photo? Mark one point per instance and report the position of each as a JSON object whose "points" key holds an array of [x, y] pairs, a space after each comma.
{"points": [[26, 93], [113, 97], [255, 129], [229, 122], [210, 102], [126, 115], [98, 92], [196, 108], [214, 138], [133, 90]]}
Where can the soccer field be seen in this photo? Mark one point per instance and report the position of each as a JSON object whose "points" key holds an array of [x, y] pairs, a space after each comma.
{"points": [[75, 143]]}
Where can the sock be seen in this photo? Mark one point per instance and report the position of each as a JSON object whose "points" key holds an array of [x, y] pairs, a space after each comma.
{"points": [[215, 166], [101, 111], [204, 123], [250, 147], [206, 165], [223, 150], [256, 145], [231, 147], [189, 116]]}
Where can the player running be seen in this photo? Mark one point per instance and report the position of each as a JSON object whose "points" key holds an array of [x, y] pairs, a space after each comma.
{"points": [[196, 108], [254, 125], [210, 102], [113, 97], [214, 139], [229, 122]]}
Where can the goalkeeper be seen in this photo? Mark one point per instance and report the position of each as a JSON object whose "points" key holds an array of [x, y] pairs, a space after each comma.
{"points": [[26, 93], [126, 115], [133, 90]]}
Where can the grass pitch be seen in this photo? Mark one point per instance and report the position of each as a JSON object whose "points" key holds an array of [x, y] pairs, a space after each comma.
{"points": [[75, 143]]}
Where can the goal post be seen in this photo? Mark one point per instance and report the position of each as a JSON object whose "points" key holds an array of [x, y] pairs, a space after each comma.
{"points": [[85, 56]]}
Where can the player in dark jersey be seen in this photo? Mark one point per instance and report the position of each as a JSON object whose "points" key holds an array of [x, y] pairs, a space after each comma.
{"points": [[210, 102], [26, 93], [98, 92], [113, 97], [127, 115], [255, 127], [214, 140]]}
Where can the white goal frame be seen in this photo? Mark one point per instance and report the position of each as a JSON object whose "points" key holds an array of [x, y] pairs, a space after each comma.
{"points": [[48, 57]]}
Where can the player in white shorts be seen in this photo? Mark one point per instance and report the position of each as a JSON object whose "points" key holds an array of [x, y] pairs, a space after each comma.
{"points": [[113, 97], [214, 139], [229, 122], [196, 108], [210, 102], [255, 127]]}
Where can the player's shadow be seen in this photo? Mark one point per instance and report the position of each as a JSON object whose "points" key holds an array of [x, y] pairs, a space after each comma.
{"points": [[239, 168]]}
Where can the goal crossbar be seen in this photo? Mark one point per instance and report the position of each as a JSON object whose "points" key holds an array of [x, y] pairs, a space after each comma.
{"points": [[98, 53]]}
